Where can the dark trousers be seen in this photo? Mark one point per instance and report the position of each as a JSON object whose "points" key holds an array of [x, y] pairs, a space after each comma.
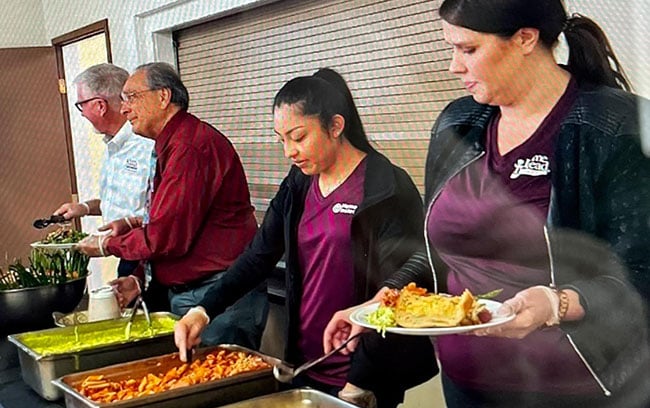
{"points": [[241, 323], [155, 296], [390, 365], [126, 268]]}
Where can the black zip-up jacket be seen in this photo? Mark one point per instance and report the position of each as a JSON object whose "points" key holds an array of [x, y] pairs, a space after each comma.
{"points": [[386, 230], [598, 224]]}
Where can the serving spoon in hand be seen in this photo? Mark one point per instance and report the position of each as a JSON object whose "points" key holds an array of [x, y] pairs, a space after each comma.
{"points": [[285, 373]]}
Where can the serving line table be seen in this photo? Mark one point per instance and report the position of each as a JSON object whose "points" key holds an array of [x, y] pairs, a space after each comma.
{"points": [[14, 393]]}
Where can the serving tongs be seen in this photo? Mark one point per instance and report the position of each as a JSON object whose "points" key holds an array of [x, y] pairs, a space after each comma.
{"points": [[139, 302], [44, 222], [285, 373]]}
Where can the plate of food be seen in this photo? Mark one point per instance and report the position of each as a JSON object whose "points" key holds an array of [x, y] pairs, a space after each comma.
{"points": [[62, 238], [416, 312], [54, 246]]}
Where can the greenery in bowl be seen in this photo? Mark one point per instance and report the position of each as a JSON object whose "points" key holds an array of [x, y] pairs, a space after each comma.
{"points": [[45, 268]]}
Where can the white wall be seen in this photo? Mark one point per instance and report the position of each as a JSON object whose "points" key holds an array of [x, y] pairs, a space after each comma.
{"points": [[22, 24], [140, 30], [626, 24], [63, 16]]}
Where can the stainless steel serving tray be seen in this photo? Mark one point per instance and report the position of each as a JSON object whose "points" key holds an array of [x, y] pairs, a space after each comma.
{"points": [[81, 317], [298, 398], [38, 370], [204, 395]]}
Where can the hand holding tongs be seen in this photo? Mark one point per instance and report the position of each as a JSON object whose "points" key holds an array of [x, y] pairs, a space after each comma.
{"points": [[44, 222]]}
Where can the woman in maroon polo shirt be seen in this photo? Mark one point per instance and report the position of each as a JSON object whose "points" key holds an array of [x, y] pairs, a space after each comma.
{"points": [[345, 219], [536, 184]]}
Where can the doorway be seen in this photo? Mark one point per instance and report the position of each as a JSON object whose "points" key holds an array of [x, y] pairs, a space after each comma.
{"points": [[75, 52]]}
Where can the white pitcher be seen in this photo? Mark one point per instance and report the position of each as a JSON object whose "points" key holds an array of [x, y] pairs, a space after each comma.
{"points": [[102, 304]]}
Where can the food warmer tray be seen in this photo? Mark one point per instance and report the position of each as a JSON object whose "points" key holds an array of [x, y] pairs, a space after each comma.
{"points": [[38, 370], [298, 398], [204, 395]]}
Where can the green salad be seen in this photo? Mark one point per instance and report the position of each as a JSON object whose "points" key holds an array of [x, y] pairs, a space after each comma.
{"points": [[47, 267], [64, 236], [383, 317]]}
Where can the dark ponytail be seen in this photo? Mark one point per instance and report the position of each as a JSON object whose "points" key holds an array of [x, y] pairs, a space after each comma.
{"points": [[591, 55], [354, 130], [325, 94]]}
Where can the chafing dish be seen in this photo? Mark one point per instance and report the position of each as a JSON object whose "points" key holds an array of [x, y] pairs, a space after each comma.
{"points": [[38, 370], [204, 395], [81, 317], [301, 397]]}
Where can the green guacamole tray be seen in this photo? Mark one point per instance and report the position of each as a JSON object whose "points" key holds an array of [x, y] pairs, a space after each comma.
{"points": [[49, 354]]}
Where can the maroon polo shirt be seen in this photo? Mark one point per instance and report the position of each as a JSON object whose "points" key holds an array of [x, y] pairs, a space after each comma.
{"points": [[326, 264]]}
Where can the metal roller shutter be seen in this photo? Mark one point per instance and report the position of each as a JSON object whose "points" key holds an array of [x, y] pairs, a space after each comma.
{"points": [[391, 52]]}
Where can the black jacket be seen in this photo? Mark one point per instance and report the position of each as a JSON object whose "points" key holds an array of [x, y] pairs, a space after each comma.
{"points": [[599, 221], [386, 230]]}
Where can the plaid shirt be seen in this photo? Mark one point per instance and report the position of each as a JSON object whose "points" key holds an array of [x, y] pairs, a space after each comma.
{"points": [[124, 174]]}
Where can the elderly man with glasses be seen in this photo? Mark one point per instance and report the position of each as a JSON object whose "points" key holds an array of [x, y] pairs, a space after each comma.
{"points": [[126, 166], [200, 216]]}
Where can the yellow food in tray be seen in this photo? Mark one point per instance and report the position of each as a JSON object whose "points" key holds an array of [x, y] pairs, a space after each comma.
{"points": [[84, 337]]}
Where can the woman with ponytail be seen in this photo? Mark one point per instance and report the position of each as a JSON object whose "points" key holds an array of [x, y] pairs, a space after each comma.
{"points": [[536, 184], [345, 218]]}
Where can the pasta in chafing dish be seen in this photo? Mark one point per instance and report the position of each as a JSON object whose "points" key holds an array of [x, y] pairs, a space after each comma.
{"points": [[215, 366]]}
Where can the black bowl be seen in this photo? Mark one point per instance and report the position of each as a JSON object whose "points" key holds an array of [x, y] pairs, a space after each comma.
{"points": [[29, 309]]}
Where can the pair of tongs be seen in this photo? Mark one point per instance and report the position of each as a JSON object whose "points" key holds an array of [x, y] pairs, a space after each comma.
{"points": [[44, 222], [139, 302]]}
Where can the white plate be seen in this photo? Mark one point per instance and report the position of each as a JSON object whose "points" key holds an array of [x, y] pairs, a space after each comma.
{"points": [[360, 317], [40, 245]]}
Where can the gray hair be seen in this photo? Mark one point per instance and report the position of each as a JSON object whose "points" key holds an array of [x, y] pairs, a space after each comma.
{"points": [[161, 75], [104, 80]]}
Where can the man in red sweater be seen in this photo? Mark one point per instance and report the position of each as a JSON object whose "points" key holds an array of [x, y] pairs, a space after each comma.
{"points": [[199, 215]]}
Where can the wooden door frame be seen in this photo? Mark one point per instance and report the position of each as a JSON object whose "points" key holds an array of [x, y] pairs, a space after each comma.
{"points": [[58, 43]]}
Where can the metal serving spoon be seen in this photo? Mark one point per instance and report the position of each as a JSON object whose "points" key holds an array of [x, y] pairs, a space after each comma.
{"points": [[285, 373]]}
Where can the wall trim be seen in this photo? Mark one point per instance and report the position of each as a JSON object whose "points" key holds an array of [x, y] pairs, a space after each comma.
{"points": [[154, 28]]}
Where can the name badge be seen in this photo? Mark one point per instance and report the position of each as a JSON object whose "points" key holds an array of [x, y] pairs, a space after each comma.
{"points": [[343, 208], [131, 166]]}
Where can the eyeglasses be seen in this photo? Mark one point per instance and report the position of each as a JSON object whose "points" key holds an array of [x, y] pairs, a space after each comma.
{"points": [[80, 105], [129, 97]]}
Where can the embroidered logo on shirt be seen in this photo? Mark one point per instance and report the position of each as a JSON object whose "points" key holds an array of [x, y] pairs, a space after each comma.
{"points": [[343, 208], [131, 165], [538, 165]]}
